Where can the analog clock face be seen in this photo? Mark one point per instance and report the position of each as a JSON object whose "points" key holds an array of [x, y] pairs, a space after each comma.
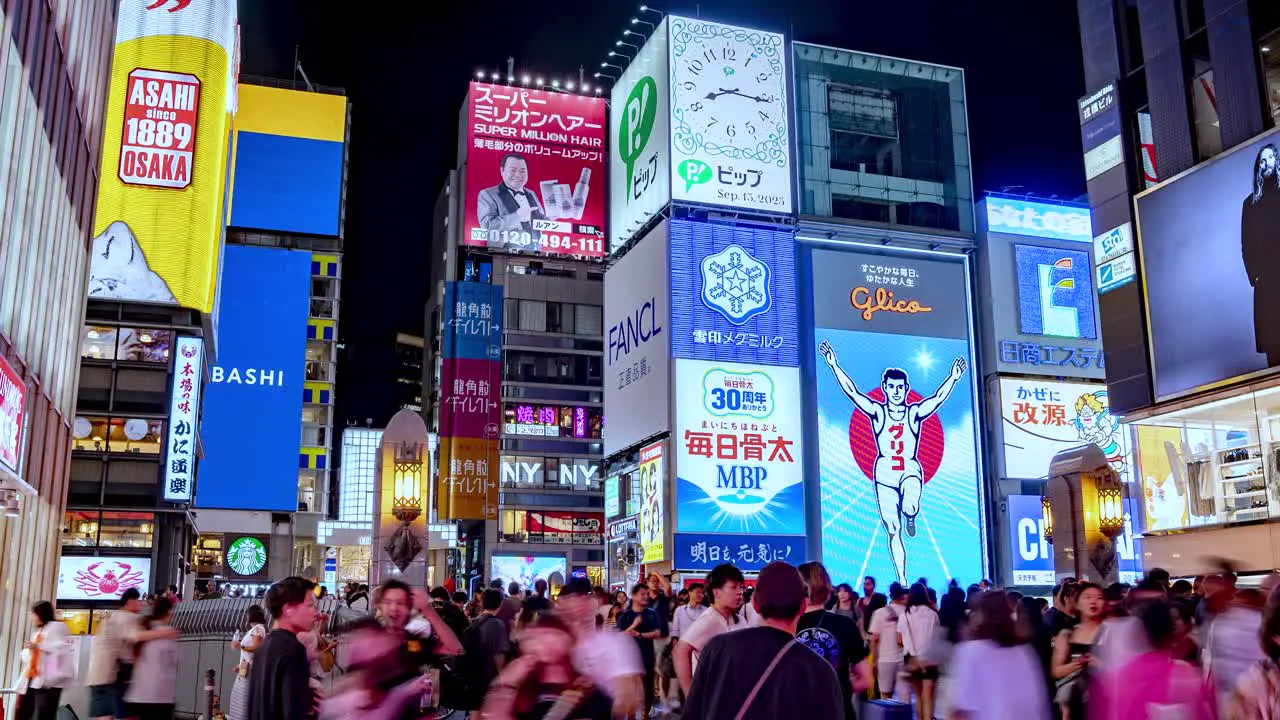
{"points": [[728, 93]]}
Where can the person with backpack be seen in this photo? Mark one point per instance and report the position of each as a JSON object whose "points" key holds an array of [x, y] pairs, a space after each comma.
{"points": [[486, 643]]}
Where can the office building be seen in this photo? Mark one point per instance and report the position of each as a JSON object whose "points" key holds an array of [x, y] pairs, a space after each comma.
{"points": [[409, 355]]}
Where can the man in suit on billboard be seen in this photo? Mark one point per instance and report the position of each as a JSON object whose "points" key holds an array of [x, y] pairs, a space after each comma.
{"points": [[510, 207], [1260, 248]]}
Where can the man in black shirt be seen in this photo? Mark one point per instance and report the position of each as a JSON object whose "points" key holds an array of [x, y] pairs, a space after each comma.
{"points": [[486, 642], [1063, 613], [452, 615], [538, 601], [641, 622], [762, 671], [424, 641], [279, 681], [833, 636]]}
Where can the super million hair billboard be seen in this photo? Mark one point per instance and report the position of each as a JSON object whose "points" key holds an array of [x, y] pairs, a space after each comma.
{"points": [[161, 198]]}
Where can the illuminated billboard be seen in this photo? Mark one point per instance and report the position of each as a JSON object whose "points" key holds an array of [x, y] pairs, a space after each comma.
{"points": [[736, 285], [640, 154], [161, 197], [566, 421], [13, 403], [1206, 243], [85, 577], [253, 403], [184, 420], [1031, 555], [653, 491], [1037, 219], [637, 318], [1041, 418], [535, 171], [897, 423], [526, 569], [1055, 292], [289, 154], [730, 119]]}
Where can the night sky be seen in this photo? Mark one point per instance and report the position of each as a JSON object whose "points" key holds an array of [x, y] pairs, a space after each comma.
{"points": [[405, 66]]}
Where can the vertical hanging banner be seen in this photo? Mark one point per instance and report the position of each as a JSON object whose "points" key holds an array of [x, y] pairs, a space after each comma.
{"points": [[470, 416], [653, 490], [13, 403], [640, 156], [161, 201], [184, 417]]}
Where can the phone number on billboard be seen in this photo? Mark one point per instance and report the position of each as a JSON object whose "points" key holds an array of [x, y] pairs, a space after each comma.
{"points": [[546, 242]]}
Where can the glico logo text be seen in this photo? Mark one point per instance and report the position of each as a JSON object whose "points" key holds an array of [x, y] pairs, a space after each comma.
{"points": [[870, 303]]}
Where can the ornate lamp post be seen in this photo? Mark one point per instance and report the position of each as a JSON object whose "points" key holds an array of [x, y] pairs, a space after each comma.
{"points": [[406, 505]]}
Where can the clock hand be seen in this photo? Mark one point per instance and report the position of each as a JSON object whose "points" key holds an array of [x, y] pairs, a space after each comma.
{"points": [[714, 95]]}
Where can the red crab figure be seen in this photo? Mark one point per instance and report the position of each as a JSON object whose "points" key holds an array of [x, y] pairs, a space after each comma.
{"points": [[112, 581]]}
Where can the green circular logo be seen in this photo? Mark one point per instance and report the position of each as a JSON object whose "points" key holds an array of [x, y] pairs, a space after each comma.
{"points": [[246, 555], [637, 124]]}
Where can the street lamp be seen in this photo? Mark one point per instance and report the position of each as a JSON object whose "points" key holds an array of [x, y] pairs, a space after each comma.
{"points": [[1110, 503], [1046, 517], [619, 43], [638, 21], [407, 503]]}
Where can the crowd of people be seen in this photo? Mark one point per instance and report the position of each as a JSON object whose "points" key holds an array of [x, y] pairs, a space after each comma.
{"points": [[791, 644]]}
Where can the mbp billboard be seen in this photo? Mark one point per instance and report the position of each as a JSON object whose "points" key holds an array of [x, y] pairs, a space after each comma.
{"points": [[736, 287], [535, 171], [1040, 418], [1031, 556], [730, 119], [253, 404], [1208, 243], [637, 318], [896, 416], [640, 156], [159, 223]]}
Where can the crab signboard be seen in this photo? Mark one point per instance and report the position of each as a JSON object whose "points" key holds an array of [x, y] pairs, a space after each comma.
{"points": [[101, 578]]}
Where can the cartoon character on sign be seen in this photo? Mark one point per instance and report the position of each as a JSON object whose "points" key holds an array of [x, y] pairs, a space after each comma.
{"points": [[1096, 425], [908, 443], [111, 582]]}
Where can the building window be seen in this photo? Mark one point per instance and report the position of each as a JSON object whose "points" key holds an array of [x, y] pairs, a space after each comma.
{"points": [[1270, 51], [80, 528], [1204, 109], [590, 320], [126, 529], [118, 435], [99, 342]]}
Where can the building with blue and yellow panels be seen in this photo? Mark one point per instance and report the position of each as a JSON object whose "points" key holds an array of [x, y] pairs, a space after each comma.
{"points": [[287, 196]]}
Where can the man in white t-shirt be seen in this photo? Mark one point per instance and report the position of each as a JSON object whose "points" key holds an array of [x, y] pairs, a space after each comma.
{"points": [[884, 641], [725, 583], [611, 660]]}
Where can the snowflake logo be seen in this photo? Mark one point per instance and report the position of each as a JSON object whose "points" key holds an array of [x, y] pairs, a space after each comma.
{"points": [[736, 284]]}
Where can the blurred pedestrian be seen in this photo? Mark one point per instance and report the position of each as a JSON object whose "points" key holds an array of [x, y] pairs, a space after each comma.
{"points": [[368, 690], [543, 682], [725, 583], [1232, 641], [111, 657], [834, 637], [996, 674], [917, 629], [359, 601], [279, 680], [486, 644], [1154, 685], [247, 645], [537, 602], [761, 673], [641, 622], [1257, 693], [1073, 652], [846, 601], [48, 665], [1063, 613], [609, 659], [886, 647], [153, 692]]}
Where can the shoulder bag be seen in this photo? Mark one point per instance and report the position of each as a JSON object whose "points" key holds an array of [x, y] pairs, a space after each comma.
{"points": [[746, 705]]}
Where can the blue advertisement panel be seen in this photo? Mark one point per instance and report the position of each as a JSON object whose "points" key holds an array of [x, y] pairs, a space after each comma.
{"points": [[1037, 219], [896, 417], [473, 321], [700, 551], [733, 288], [252, 426], [1055, 292], [1031, 556]]}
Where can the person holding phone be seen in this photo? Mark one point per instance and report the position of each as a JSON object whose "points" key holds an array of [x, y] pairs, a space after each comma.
{"points": [[642, 623], [1073, 652]]}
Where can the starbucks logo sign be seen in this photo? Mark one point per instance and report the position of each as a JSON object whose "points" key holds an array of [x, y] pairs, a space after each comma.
{"points": [[246, 555]]}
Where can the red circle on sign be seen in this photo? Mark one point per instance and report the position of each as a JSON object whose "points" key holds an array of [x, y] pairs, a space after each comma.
{"points": [[862, 441]]}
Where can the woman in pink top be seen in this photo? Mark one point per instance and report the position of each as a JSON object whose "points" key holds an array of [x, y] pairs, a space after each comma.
{"points": [[1153, 685]]}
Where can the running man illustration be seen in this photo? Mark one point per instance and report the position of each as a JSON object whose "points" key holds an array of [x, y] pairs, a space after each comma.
{"points": [[899, 479]]}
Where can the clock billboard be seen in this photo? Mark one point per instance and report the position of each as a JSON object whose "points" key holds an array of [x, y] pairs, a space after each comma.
{"points": [[730, 123]]}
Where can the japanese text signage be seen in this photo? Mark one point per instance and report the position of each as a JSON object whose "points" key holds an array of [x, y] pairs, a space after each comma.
{"points": [[13, 403], [702, 551], [1035, 219], [897, 417], [184, 414], [653, 492], [551, 421], [1031, 555], [1040, 356], [736, 286], [739, 450], [1055, 292], [637, 317], [474, 320], [730, 127], [1041, 418], [532, 160], [640, 159]]}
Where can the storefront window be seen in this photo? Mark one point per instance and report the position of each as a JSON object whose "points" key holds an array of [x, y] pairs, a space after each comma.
{"points": [[143, 345], [207, 555], [1212, 464], [127, 529], [80, 528], [77, 621], [97, 343], [117, 435]]}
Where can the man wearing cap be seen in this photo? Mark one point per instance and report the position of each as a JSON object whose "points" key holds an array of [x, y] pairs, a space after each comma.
{"points": [[762, 672], [611, 660]]}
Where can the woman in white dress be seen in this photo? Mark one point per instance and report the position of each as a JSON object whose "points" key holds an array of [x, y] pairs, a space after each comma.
{"points": [[247, 645]]}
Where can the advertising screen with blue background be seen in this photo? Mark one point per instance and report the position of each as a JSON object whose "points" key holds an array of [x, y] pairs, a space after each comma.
{"points": [[900, 492], [252, 427], [1055, 292], [1031, 556], [1038, 219], [733, 293]]}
